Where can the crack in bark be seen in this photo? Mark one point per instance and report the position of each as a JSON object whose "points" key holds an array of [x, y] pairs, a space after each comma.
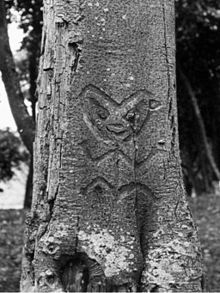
{"points": [[77, 51], [139, 225], [116, 172], [51, 202], [60, 155], [167, 59], [77, 233]]}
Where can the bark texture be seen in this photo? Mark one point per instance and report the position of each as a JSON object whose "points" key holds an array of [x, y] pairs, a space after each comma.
{"points": [[109, 211]]}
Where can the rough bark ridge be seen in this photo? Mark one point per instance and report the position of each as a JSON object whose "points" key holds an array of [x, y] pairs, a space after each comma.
{"points": [[109, 211]]}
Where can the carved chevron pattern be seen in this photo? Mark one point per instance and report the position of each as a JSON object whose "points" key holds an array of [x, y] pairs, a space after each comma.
{"points": [[115, 126]]}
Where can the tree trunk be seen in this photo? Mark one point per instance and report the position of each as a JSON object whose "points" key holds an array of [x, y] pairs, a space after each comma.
{"points": [[109, 211]]}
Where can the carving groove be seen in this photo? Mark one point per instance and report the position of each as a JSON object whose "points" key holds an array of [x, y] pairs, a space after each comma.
{"points": [[126, 190], [114, 122], [116, 126], [97, 182], [117, 121], [98, 159]]}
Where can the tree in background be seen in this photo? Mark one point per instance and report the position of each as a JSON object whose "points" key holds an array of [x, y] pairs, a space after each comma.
{"points": [[109, 210], [31, 23], [198, 56], [11, 154], [10, 78]]}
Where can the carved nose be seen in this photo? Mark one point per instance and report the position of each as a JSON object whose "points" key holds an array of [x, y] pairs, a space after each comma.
{"points": [[117, 128]]}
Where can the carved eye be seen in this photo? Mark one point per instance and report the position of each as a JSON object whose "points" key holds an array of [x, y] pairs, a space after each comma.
{"points": [[98, 110], [130, 117], [133, 118], [102, 113], [98, 189], [153, 104], [136, 116]]}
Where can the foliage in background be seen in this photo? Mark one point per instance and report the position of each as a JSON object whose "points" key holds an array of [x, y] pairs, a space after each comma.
{"points": [[27, 70], [31, 21], [198, 55], [12, 153]]}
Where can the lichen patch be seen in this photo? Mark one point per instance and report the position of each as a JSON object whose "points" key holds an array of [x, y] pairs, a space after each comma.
{"points": [[160, 277], [165, 263], [112, 254]]}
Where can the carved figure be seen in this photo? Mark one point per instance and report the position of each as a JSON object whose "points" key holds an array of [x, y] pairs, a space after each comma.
{"points": [[115, 127], [118, 122]]}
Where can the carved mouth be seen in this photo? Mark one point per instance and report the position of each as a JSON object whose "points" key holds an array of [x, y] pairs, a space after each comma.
{"points": [[117, 129]]}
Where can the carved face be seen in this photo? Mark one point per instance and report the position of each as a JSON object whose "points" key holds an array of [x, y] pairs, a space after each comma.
{"points": [[112, 121]]}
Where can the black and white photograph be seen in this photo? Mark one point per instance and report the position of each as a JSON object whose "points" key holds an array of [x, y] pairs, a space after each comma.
{"points": [[109, 146]]}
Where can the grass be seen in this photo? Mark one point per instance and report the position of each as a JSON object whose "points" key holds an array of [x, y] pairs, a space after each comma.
{"points": [[206, 211], [11, 241]]}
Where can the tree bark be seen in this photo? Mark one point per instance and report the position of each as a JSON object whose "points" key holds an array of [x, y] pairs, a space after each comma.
{"points": [[109, 211], [29, 186]]}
